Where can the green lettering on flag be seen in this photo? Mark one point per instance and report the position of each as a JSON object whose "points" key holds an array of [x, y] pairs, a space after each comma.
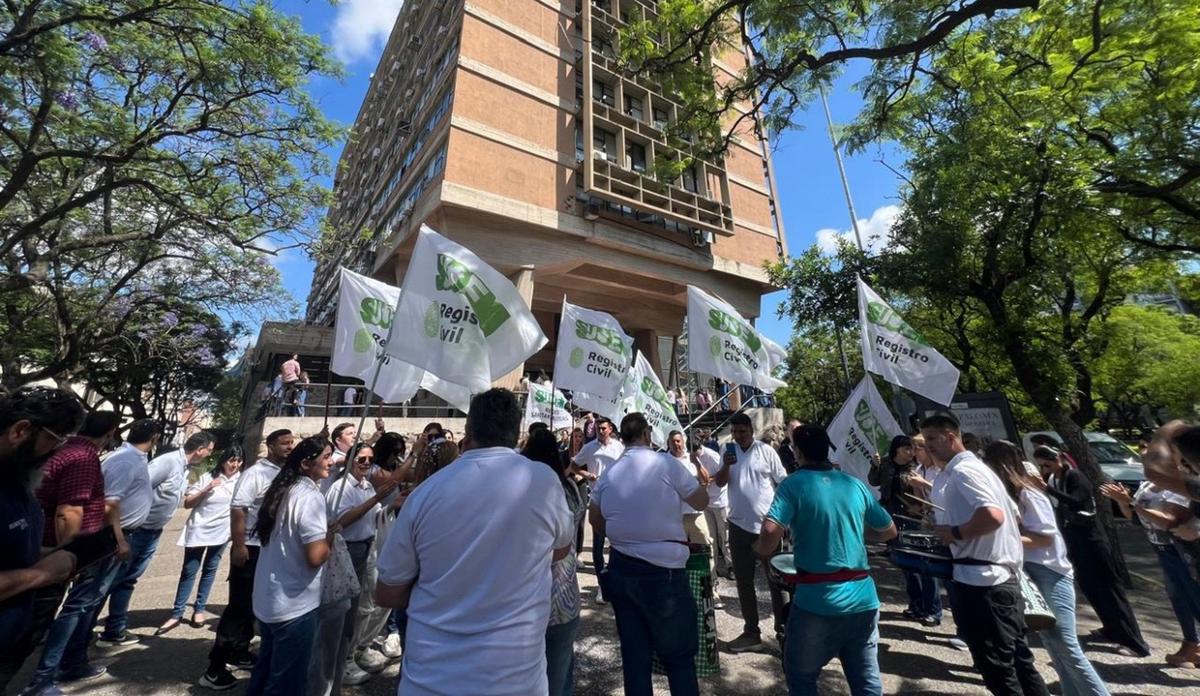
{"points": [[720, 321], [870, 426], [882, 315], [454, 276], [376, 312], [605, 337]]}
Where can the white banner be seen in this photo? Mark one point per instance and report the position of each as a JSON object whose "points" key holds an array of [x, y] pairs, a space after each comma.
{"points": [[456, 395], [863, 427], [612, 409], [464, 321], [364, 323], [644, 393], [723, 344], [593, 353], [541, 407], [897, 352]]}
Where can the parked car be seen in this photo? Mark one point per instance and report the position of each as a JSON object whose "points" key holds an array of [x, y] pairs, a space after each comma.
{"points": [[1118, 462]]}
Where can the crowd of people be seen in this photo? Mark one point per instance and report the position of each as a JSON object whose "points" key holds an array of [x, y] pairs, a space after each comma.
{"points": [[461, 557]]}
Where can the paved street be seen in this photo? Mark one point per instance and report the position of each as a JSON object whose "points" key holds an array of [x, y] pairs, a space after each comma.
{"points": [[913, 660]]}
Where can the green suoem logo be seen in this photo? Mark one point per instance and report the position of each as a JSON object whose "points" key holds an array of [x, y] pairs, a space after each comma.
{"points": [[375, 312], [737, 328], [605, 337], [871, 427], [432, 320], [576, 359], [652, 390], [362, 341], [714, 345], [454, 276], [882, 315]]}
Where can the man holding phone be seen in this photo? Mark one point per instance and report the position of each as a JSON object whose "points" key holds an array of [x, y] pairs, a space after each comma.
{"points": [[751, 469]]}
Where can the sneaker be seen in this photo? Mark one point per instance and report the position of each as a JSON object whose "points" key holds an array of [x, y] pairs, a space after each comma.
{"points": [[354, 675], [958, 644], [36, 689], [911, 615], [244, 662], [391, 646], [124, 638], [600, 600], [718, 604], [371, 660], [747, 642], [931, 621], [81, 674], [222, 680]]}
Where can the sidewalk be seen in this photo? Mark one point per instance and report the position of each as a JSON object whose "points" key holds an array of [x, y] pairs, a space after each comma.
{"points": [[914, 660]]}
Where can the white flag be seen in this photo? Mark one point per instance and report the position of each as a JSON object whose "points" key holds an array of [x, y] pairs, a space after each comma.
{"points": [[863, 427], [545, 406], [895, 351], [462, 320], [644, 393], [593, 354], [456, 395], [723, 344], [364, 323]]}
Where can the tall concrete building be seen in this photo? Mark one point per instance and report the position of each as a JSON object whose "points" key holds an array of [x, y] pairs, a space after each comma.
{"points": [[508, 126]]}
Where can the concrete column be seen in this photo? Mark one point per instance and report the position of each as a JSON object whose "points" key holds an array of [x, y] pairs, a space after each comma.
{"points": [[646, 340], [523, 279]]}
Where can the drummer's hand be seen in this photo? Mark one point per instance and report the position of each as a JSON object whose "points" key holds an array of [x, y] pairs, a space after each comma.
{"points": [[917, 481], [730, 459], [944, 534]]}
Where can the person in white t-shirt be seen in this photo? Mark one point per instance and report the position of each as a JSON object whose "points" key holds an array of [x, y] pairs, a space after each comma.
{"points": [[1048, 568], [205, 535], [751, 469], [292, 527], [597, 456], [979, 524], [235, 630], [694, 524], [469, 557], [716, 514], [636, 504]]}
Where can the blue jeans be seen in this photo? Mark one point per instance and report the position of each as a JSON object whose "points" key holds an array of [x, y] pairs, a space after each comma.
{"points": [[142, 545], [1076, 674], [193, 557], [1182, 590], [560, 657], [924, 595], [814, 639], [284, 656], [65, 650], [656, 615]]}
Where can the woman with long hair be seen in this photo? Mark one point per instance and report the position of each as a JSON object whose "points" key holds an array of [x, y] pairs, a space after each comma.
{"points": [[564, 594], [292, 527], [575, 475], [1089, 551], [205, 535], [891, 474], [1047, 566]]}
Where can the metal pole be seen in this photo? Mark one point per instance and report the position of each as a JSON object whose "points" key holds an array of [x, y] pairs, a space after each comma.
{"points": [[837, 156]]}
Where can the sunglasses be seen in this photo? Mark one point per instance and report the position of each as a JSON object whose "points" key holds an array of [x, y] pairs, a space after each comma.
{"points": [[59, 440], [364, 460]]}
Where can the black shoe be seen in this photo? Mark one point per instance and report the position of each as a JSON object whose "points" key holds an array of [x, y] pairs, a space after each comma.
{"points": [[222, 680], [82, 674], [747, 642], [911, 615], [930, 621], [244, 662], [123, 638]]}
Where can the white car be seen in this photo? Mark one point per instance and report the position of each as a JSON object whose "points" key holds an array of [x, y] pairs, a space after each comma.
{"points": [[1118, 462]]}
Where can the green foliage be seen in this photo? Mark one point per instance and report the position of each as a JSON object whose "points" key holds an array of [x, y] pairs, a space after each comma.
{"points": [[1147, 357], [816, 385]]}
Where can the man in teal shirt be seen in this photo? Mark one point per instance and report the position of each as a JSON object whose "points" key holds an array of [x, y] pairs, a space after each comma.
{"points": [[835, 609]]}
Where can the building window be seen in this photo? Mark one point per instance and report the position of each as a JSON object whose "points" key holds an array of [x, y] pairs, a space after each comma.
{"points": [[601, 5], [603, 92], [579, 154], [635, 157], [578, 93], [633, 108], [689, 179], [604, 47], [604, 143], [660, 118]]}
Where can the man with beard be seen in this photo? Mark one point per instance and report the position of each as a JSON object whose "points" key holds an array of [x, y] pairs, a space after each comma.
{"points": [[34, 422]]}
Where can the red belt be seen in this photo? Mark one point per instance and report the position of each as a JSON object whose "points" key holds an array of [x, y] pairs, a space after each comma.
{"points": [[801, 578]]}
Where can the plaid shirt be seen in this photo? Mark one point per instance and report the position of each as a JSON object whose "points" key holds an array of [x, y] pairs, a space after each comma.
{"points": [[72, 477]]}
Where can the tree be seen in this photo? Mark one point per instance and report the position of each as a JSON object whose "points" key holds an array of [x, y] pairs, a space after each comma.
{"points": [[792, 48], [816, 385], [143, 141]]}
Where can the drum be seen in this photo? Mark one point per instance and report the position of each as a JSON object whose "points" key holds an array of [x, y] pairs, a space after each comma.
{"points": [[782, 571], [922, 553]]}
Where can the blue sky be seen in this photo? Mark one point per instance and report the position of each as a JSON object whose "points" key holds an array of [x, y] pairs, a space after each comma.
{"points": [[814, 209]]}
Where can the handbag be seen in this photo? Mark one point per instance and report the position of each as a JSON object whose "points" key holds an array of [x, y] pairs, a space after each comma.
{"points": [[339, 582], [1038, 615]]}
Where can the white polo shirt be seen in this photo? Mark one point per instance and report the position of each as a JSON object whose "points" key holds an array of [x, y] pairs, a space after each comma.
{"points": [[711, 461], [597, 457], [971, 485], [478, 539], [356, 493], [690, 469], [285, 585], [1037, 516], [248, 494], [127, 481], [168, 478], [640, 501], [208, 523], [752, 482]]}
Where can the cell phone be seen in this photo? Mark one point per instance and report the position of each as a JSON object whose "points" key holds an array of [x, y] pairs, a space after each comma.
{"points": [[90, 549], [730, 449]]}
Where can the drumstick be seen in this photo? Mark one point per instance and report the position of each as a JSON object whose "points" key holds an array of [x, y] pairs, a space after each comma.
{"points": [[924, 502], [906, 518]]}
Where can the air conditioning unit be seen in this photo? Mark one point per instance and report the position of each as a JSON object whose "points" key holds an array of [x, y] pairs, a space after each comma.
{"points": [[599, 154]]}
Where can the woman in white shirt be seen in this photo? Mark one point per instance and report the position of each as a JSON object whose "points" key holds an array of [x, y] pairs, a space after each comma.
{"points": [[287, 582], [205, 535], [1047, 566]]}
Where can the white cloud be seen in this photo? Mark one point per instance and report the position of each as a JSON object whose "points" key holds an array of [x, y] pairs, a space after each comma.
{"points": [[361, 27], [876, 231]]}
